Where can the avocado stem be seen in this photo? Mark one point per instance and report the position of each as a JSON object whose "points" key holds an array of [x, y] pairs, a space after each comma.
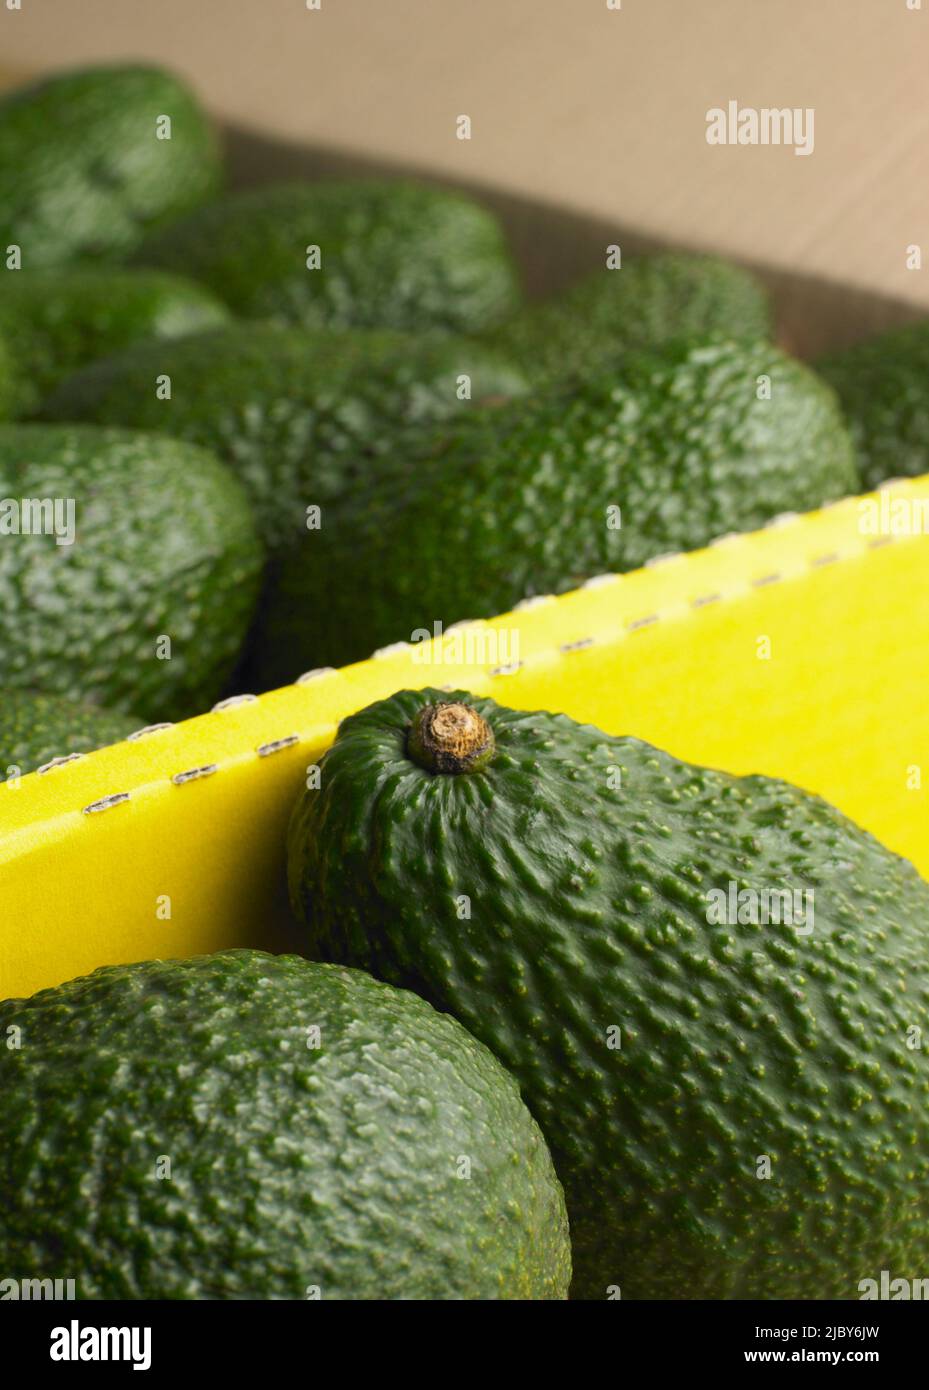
{"points": [[450, 738]]}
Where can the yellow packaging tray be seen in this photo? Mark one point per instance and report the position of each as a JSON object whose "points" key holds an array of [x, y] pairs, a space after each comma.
{"points": [[800, 651]]}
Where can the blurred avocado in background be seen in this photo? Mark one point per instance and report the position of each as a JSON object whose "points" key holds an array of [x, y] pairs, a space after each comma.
{"points": [[36, 728], [89, 164], [141, 599], [538, 495], [55, 321], [299, 416], [348, 253], [648, 301], [883, 384]]}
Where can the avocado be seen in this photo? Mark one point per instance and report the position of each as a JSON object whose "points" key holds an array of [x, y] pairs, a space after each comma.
{"points": [[35, 729], [299, 416], [732, 1099], [883, 386], [9, 382], [129, 568], [55, 321], [539, 495], [38, 729], [247, 1126], [391, 254], [649, 301], [93, 160]]}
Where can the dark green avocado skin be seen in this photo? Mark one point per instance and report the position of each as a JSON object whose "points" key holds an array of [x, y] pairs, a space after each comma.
{"points": [[338, 1168], [393, 255], [9, 383], [55, 321], [518, 500], [883, 386], [83, 174], [34, 729], [648, 302], [301, 417], [165, 547], [560, 895]]}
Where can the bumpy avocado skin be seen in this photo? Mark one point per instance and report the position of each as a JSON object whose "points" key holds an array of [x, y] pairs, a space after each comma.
{"points": [[883, 386], [585, 861], [523, 499], [292, 1165], [393, 255], [35, 728], [56, 321], [648, 302], [164, 546], [83, 174], [300, 417]]}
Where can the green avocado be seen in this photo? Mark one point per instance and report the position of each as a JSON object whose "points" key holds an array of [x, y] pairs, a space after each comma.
{"points": [[391, 254], [883, 386], [540, 495], [9, 380], [300, 416], [129, 568], [650, 301], [247, 1126], [706, 986], [89, 164], [55, 321], [35, 729]]}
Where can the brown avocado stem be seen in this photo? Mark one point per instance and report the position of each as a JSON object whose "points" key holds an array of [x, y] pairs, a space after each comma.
{"points": [[450, 738]]}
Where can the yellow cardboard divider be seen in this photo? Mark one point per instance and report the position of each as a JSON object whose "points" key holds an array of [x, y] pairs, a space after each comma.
{"points": [[800, 651]]}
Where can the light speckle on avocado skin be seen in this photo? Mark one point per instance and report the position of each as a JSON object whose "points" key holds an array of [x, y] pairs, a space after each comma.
{"points": [[586, 911], [292, 1165]]}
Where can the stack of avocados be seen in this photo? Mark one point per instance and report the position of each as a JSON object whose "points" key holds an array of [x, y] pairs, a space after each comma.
{"points": [[255, 432]]}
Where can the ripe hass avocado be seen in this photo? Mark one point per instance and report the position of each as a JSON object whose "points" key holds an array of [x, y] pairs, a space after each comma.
{"points": [[733, 1103], [34, 729], [649, 301], [300, 417], [85, 168], [55, 321], [129, 568], [247, 1126], [537, 496], [354, 253], [883, 387]]}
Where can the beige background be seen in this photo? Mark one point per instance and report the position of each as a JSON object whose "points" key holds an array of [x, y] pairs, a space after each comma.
{"points": [[602, 110]]}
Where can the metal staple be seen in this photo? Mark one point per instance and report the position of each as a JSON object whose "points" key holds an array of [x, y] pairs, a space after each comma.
{"points": [[105, 803], [276, 745]]}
